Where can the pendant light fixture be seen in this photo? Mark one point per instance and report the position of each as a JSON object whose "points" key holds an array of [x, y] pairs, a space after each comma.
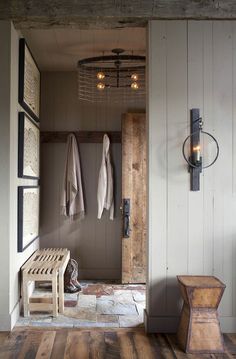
{"points": [[113, 77]]}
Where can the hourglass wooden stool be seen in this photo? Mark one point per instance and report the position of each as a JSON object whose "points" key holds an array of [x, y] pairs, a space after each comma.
{"points": [[199, 328]]}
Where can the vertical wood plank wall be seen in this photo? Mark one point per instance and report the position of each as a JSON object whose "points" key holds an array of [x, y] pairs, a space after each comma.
{"points": [[191, 64], [96, 244]]}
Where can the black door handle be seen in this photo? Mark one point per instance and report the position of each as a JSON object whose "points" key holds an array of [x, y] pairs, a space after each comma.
{"points": [[126, 218]]}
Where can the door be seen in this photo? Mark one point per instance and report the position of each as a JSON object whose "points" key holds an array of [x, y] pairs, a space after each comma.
{"points": [[134, 198]]}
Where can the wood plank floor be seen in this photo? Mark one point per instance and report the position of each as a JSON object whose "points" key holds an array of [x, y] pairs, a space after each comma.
{"points": [[98, 344]]}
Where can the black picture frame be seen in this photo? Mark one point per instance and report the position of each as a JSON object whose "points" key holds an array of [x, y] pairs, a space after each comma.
{"points": [[25, 121], [22, 99], [22, 243]]}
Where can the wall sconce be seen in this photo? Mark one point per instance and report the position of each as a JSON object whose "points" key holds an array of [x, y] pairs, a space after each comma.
{"points": [[195, 160]]}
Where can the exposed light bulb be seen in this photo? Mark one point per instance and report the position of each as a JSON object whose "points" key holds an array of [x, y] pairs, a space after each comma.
{"points": [[100, 75], [134, 77], [100, 86], [135, 85], [197, 153]]}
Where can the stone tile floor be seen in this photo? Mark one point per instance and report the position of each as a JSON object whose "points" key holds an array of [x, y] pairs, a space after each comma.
{"points": [[98, 304]]}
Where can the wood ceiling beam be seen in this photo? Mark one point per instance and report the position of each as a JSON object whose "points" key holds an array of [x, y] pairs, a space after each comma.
{"points": [[109, 13]]}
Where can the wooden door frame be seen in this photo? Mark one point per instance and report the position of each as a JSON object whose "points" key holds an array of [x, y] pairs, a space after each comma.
{"points": [[27, 24], [133, 170]]}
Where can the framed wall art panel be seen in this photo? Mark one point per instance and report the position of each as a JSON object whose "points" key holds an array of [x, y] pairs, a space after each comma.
{"points": [[28, 147], [29, 81], [28, 216]]}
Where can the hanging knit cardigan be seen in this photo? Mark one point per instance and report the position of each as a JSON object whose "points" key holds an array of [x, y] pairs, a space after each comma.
{"points": [[105, 181]]}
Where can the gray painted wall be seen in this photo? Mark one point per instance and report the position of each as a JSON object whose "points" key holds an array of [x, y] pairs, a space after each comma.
{"points": [[5, 38], [10, 260], [96, 244], [191, 64]]}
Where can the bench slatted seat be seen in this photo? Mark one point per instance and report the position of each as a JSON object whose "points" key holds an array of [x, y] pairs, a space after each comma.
{"points": [[46, 264]]}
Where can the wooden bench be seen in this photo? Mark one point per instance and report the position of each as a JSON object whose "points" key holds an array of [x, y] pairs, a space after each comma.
{"points": [[47, 264]]}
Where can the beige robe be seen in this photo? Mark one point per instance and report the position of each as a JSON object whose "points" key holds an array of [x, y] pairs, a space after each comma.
{"points": [[105, 181], [72, 200]]}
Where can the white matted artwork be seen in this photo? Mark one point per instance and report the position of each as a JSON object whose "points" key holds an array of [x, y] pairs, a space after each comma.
{"points": [[28, 216], [29, 146], [29, 81]]}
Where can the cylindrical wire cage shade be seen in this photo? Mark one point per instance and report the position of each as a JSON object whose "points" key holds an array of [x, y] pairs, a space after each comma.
{"points": [[109, 79]]}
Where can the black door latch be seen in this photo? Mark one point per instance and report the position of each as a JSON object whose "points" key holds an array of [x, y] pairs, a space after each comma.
{"points": [[126, 217]]}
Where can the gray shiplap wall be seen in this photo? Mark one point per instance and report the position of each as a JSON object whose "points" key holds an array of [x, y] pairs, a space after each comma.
{"points": [[191, 64], [96, 244]]}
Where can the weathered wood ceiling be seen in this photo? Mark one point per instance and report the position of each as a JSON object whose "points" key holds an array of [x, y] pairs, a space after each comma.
{"points": [[109, 13]]}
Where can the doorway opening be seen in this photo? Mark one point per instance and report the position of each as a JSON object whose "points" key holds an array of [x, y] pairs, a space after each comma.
{"points": [[112, 264]]}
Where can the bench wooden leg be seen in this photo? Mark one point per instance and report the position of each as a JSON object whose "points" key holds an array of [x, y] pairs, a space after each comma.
{"points": [[26, 297], [61, 292], [54, 296]]}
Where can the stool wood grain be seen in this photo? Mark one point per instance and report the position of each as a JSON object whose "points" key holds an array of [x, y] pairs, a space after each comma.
{"points": [[47, 264], [199, 328]]}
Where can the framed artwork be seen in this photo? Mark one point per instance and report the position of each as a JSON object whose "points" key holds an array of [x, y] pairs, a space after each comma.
{"points": [[28, 147], [29, 81], [28, 216]]}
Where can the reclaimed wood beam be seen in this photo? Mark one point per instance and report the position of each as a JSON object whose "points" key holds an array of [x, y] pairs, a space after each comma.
{"points": [[81, 136], [109, 13]]}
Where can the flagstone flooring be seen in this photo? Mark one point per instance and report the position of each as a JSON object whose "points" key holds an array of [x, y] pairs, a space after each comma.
{"points": [[98, 304]]}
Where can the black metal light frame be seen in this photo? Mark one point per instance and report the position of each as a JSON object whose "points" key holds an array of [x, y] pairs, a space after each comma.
{"points": [[117, 60], [195, 166]]}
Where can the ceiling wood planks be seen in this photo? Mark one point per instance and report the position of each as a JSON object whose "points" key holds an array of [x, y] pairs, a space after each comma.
{"points": [[94, 14]]}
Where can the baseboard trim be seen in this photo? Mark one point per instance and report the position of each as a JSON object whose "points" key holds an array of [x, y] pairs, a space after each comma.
{"points": [[15, 314], [95, 274], [160, 324], [5, 323], [8, 321], [170, 324], [228, 324]]}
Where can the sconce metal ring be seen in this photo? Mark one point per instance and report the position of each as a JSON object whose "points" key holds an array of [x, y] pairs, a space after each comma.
{"points": [[217, 149]]}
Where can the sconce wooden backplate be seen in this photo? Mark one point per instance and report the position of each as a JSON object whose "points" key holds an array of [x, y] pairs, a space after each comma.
{"points": [[194, 141]]}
